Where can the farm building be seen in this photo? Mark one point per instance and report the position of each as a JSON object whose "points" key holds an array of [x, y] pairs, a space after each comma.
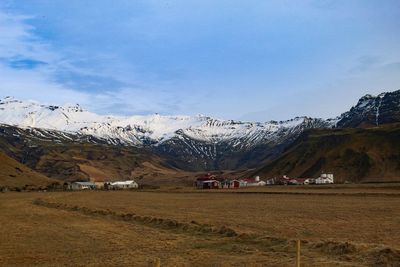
{"points": [[325, 178], [252, 182], [208, 181], [82, 186], [230, 183], [234, 183], [130, 184], [285, 180], [280, 180], [208, 184]]}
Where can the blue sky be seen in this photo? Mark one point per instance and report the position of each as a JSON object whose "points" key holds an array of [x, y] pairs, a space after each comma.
{"points": [[247, 60]]}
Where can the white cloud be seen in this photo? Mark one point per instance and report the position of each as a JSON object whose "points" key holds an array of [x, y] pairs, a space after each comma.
{"points": [[18, 41]]}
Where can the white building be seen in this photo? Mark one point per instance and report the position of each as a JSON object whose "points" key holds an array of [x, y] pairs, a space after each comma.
{"points": [[252, 182], [325, 178], [130, 184]]}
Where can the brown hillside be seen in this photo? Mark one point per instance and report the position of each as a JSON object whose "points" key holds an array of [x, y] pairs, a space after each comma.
{"points": [[71, 162], [15, 174], [356, 155]]}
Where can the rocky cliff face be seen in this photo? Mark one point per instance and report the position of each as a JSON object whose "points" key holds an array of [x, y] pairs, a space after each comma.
{"points": [[372, 111]]}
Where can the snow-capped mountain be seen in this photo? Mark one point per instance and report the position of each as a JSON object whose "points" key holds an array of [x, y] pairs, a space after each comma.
{"points": [[143, 130], [187, 142], [372, 111], [194, 142]]}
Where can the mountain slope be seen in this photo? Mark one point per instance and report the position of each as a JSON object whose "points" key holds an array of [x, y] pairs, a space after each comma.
{"points": [[357, 155], [14, 174], [74, 157], [241, 152]]}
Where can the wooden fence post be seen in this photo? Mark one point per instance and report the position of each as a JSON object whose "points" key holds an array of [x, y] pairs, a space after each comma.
{"points": [[298, 254], [157, 262]]}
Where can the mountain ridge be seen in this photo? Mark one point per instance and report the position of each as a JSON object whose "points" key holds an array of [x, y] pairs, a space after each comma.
{"points": [[192, 143], [134, 130], [187, 143], [372, 111]]}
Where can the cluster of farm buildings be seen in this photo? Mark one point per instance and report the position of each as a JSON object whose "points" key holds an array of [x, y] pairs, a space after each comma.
{"points": [[325, 178], [210, 181], [118, 185]]}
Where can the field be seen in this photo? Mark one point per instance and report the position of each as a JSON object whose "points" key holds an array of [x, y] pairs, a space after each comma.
{"points": [[339, 226]]}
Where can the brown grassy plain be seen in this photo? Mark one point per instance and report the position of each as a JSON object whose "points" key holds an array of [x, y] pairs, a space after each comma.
{"points": [[219, 228]]}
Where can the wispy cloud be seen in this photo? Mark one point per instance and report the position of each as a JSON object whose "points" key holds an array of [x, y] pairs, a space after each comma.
{"points": [[30, 68], [27, 63]]}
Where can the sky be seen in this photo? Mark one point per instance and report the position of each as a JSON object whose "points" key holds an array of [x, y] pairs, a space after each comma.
{"points": [[243, 60]]}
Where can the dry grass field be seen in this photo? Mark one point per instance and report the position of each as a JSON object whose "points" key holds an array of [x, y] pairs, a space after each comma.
{"points": [[353, 226]]}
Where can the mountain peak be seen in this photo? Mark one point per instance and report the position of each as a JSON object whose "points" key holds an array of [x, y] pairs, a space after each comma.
{"points": [[372, 111]]}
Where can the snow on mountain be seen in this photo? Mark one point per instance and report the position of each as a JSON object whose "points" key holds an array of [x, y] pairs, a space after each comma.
{"points": [[186, 142], [35, 115], [139, 130], [372, 111]]}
